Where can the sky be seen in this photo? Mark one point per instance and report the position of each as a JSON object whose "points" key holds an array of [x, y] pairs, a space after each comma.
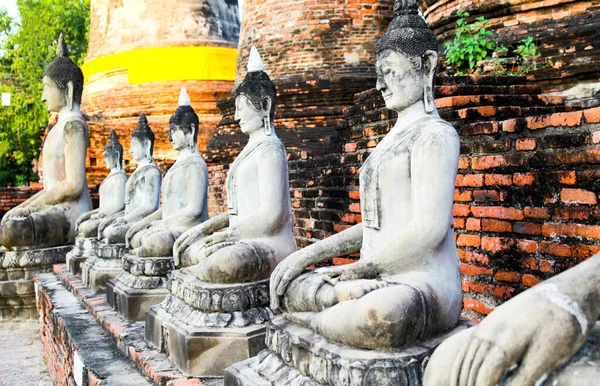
{"points": [[11, 6]]}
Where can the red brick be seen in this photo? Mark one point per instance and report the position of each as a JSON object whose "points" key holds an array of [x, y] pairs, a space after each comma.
{"points": [[354, 194], [528, 246], [583, 252], [473, 224], [578, 196], [546, 266], [596, 136], [498, 179], [461, 210], [354, 207], [469, 180], [496, 161], [529, 280], [530, 263], [524, 144], [486, 195], [342, 261], [522, 179], [527, 228], [496, 244], [468, 269], [350, 147], [496, 226], [509, 126], [555, 120], [555, 249], [511, 277], [477, 306], [567, 178], [459, 223], [466, 240], [464, 196], [539, 213], [497, 212], [592, 115]]}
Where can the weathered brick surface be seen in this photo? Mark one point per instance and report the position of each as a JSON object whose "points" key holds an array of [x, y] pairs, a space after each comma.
{"points": [[573, 54], [522, 213]]}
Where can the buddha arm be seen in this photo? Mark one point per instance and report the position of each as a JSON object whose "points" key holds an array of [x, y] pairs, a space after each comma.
{"points": [[344, 243], [151, 198], [433, 166], [274, 203], [71, 188], [197, 181]]}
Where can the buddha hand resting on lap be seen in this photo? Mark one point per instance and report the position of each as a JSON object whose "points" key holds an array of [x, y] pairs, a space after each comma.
{"points": [[184, 190], [406, 286], [257, 229], [142, 191], [49, 217], [111, 192]]}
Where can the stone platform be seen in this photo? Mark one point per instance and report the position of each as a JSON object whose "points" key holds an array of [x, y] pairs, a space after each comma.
{"points": [[297, 355], [17, 269], [206, 327], [104, 266], [128, 335]]}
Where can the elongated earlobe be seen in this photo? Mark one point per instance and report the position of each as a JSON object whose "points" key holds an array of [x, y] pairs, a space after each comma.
{"points": [[428, 99], [70, 95]]}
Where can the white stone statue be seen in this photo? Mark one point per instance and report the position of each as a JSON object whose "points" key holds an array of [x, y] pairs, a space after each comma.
{"points": [[406, 286], [257, 229], [49, 217], [525, 339], [142, 191], [111, 191], [184, 190]]}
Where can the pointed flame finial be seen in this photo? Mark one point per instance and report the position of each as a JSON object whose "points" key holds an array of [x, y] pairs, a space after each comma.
{"points": [[61, 48], [255, 62], [184, 98]]}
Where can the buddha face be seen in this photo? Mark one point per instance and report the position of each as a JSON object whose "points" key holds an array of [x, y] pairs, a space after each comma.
{"points": [[111, 159], [138, 149], [250, 119], [398, 80], [180, 138], [53, 96]]}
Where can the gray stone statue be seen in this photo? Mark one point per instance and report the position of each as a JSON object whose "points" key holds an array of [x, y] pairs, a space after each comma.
{"points": [[142, 197], [218, 300], [142, 192], [404, 293], [257, 228], [547, 335], [184, 190], [142, 282], [112, 200], [49, 218]]}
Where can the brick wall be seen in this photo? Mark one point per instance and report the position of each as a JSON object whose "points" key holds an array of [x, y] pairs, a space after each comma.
{"points": [[573, 54], [299, 36], [11, 197], [526, 192]]}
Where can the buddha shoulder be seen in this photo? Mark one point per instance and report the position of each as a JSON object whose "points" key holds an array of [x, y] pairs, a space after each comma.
{"points": [[74, 126], [438, 133], [271, 148]]}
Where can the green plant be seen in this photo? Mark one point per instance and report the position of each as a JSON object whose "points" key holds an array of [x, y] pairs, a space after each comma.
{"points": [[27, 46], [472, 43], [528, 48]]}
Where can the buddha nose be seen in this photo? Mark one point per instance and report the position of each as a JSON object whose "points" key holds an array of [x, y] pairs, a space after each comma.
{"points": [[380, 84]]}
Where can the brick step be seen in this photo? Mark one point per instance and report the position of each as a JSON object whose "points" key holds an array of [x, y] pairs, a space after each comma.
{"points": [[128, 335], [77, 350]]}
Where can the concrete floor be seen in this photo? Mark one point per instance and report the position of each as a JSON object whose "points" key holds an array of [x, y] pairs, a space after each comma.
{"points": [[21, 356]]}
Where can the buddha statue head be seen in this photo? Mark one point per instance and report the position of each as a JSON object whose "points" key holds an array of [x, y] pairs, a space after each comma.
{"points": [[113, 152], [255, 98], [183, 125], [142, 140], [63, 81], [407, 57]]}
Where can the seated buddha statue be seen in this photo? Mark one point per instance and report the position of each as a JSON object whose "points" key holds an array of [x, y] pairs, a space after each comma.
{"points": [[111, 191], [533, 339], [49, 217], [184, 190], [142, 191], [256, 232], [406, 285]]}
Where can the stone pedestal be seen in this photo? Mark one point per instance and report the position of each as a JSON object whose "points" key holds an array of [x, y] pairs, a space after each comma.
{"points": [[104, 266], [17, 269], [83, 249], [141, 284], [297, 355], [206, 327]]}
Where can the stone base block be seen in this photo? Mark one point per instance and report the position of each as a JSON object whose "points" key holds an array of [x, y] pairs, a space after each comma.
{"points": [[83, 250], [98, 272], [202, 351], [34, 257], [110, 251], [297, 355], [133, 303]]}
